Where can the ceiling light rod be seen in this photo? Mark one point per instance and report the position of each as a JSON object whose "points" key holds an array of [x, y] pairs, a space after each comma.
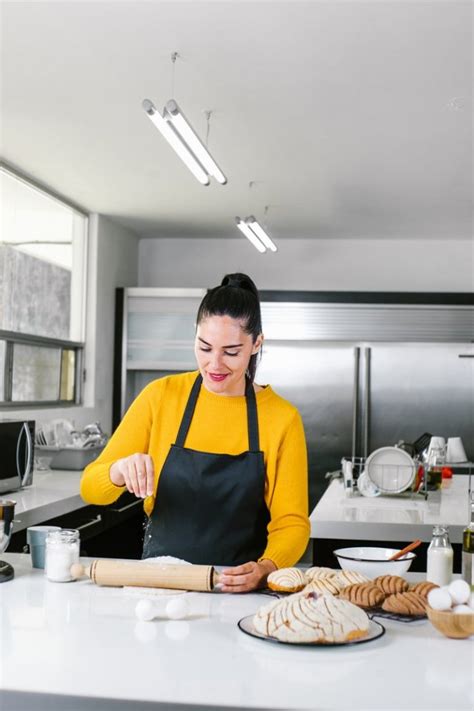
{"points": [[181, 136], [176, 142], [175, 116], [250, 234], [261, 234]]}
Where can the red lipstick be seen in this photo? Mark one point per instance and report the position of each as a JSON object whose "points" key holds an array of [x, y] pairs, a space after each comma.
{"points": [[217, 377]]}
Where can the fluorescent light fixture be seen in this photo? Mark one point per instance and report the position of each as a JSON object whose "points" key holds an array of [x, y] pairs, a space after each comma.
{"points": [[176, 142], [175, 116], [261, 234], [245, 229]]}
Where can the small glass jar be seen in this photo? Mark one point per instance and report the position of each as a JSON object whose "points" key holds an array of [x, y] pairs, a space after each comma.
{"points": [[439, 559], [62, 551], [436, 461]]}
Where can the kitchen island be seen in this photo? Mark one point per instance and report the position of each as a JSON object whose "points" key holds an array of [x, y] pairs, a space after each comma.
{"points": [[74, 646], [391, 518]]}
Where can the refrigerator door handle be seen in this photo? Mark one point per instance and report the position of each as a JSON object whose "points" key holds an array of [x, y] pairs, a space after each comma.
{"points": [[355, 402], [366, 413]]}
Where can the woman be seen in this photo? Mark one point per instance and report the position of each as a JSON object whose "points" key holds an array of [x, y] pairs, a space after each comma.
{"points": [[220, 461]]}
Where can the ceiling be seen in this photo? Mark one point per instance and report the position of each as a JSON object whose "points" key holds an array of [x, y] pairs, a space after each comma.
{"points": [[352, 119]]}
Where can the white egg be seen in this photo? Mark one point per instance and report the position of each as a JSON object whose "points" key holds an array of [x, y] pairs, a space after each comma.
{"points": [[459, 591], [439, 599], [145, 610], [463, 610], [177, 608]]}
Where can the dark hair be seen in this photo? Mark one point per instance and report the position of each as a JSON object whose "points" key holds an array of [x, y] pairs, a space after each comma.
{"points": [[237, 297]]}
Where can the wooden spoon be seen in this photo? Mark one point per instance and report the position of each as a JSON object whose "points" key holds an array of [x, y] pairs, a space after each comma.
{"points": [[407, 549]]}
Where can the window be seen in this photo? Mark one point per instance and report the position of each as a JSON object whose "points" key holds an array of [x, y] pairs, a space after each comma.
{"points": [[42, 295]]}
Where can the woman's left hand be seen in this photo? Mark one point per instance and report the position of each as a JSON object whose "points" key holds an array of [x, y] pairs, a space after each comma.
{"points": [[246, 577]]}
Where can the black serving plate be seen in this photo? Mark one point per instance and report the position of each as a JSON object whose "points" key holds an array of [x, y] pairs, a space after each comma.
{"points": [[376, 630]]}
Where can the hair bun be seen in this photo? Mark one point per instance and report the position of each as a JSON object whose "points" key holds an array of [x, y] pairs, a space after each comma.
{"points": [[232, 281], [240, 281]]}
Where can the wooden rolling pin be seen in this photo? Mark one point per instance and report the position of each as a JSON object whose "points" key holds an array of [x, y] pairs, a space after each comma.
{"points": [[202, 578]]}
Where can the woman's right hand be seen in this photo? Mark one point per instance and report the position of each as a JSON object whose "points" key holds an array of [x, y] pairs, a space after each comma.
{"points": [[136, 472]]}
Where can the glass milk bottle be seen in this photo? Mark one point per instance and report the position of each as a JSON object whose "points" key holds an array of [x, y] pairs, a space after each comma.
{"points": [[440, 557]]}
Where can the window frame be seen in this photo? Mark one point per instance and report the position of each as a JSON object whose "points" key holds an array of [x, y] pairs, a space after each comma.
{"points": [[11, 338]]}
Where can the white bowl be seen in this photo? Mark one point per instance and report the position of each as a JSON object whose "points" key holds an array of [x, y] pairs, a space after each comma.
{"points": [[373, 561]]}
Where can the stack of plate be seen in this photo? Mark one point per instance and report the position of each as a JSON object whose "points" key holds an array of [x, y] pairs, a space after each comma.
{"points": [[388, 470]]}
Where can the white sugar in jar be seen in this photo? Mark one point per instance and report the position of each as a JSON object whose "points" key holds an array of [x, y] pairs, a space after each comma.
{"points": [[62, 551]]}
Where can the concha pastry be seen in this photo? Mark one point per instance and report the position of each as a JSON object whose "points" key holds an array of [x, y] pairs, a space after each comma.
{"points": [[350, 577], [391, 584], [287, 580], [406, 603], [260, 619], [363, 594], [423, 588], [316, 619], [319, 572], [324, 586]]}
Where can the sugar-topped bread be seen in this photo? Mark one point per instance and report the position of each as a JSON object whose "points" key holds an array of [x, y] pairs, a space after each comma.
{"points": [[312, 619], [391, 584], [326, 586], [287, 580], [350, 577], [318, 572], [261, 617]]}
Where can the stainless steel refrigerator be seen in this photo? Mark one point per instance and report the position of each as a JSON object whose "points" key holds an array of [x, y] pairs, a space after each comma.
{"points": [[368, 375]]}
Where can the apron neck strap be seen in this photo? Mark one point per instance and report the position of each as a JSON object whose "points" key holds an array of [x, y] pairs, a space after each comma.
{"points": [[252, 419]]}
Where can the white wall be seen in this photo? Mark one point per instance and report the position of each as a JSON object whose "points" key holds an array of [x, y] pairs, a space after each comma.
{"points": [[321, 264], [112, 261]]}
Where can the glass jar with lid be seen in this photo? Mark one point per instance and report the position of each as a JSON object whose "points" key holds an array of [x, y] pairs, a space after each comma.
{"points": [[62, 551]]}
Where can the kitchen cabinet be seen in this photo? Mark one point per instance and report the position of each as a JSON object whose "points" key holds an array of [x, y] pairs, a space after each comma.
{"points": [[113, 531]]}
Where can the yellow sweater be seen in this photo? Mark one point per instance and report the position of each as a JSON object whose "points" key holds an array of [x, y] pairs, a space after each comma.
{"points": [[219, 426]]}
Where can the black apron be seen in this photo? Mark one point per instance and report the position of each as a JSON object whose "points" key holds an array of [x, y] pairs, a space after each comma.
{"points": [[210, 508]]}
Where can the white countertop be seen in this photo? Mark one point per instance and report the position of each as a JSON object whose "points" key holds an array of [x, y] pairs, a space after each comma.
{"points": [[391, 518], [53, 493], [83, 640]]}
